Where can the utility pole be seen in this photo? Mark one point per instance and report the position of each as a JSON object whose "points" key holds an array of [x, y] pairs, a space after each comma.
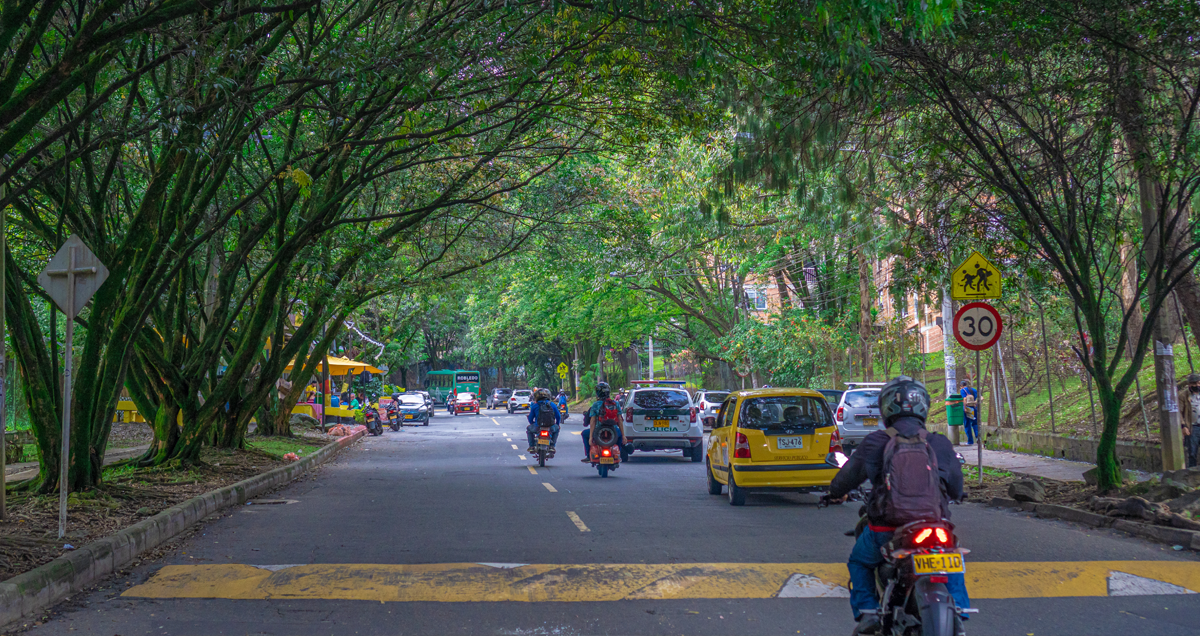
{"points": [[948, 355], [3, 366], [651, 357]]}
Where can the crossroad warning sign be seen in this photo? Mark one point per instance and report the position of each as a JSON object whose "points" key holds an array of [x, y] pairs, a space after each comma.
{"points": [[975, 279]]}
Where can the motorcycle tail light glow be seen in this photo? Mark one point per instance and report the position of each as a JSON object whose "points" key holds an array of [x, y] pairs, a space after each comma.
{"points": [[545, 433], [923, 535], [606, 453], [939, 578], [941, 535]]}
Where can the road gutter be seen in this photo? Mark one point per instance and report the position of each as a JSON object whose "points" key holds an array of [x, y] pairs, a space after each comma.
{"points": [[1158, 534], [27, 594]]}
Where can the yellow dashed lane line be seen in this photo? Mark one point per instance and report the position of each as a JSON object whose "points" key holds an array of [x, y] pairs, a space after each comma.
{"points": [[474, 582]]}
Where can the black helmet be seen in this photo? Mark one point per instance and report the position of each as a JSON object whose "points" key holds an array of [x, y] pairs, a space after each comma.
{"points": [[903, 396], [602, 390], [542, 394]]}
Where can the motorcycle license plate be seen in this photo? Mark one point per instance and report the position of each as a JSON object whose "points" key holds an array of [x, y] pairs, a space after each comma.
{"points": [[543, 442], [408, 417], [789, 442], [937, 563], [662, 423], [606, 460]]}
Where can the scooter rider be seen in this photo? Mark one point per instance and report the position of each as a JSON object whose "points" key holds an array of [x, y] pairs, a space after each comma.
{"points": [[904, 404], [542, 397], [592, 416]]}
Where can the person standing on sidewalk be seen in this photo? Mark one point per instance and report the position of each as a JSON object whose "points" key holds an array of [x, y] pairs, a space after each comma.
{"points": [[1189, 413], [970, 411]]}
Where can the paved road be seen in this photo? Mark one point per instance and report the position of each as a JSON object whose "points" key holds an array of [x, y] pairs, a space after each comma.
{"points": [[426, 532]]}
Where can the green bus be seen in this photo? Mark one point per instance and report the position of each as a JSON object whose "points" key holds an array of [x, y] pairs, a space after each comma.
{"points": [[442, 384]]}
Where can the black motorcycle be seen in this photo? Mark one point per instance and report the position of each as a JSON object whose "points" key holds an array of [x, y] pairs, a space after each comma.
{"points": [[911, 581], [543, 449], [393, 413], [371, 419]]}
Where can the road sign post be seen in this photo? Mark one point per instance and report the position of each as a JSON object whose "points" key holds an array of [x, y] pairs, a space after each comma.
{"points": [[977, 326], [71, 278]]}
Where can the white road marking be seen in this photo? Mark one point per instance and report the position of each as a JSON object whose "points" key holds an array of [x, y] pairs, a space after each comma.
{"points": [[807, 586], [577, 521], [522, 457], [549, 487], [531, 469], [514, 445], [1124, 584], [508, 439]]}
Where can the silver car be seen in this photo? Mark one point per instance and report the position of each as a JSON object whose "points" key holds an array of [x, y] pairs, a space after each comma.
{"points": [[708, 404], [857, 414]]}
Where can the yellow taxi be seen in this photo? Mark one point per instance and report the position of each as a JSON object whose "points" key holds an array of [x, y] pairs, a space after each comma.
{"points": [[772, 440]]}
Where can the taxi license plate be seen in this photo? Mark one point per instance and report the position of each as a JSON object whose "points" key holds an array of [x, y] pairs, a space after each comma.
{"points": [[408, 417], [543, 442], [789, 442], [937, 563], [871, 421], [606, 460], [662, 423]]}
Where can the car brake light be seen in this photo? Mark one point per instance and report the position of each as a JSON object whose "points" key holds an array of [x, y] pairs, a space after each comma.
{"points": [[703, 406], [835, 442], [741, 447], [693, 415], [629, 416], [606, 453], [841, 414]]}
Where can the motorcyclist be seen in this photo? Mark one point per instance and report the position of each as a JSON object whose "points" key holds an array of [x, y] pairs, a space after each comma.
{"points": [[562, 400], [592, 416], [904, 404], [541, 396]]}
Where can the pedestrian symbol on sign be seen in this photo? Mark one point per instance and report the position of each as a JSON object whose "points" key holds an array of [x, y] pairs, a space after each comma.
{"points": [[976, 278]]}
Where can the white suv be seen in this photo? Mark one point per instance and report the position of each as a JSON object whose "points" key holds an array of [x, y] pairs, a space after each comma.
{"points": [[662, 418], [708, 404], [521, 399]]}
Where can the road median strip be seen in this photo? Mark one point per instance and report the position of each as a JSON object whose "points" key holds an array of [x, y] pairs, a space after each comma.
{"points": [[26, 594], [478, 582]]}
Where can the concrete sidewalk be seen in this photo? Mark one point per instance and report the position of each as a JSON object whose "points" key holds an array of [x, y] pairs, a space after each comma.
{"points": [[26, 470], [1035, 465]]}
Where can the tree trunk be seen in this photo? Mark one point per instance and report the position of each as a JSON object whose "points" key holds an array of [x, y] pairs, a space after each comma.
{"points": [[1129, 297], [864, 313]]}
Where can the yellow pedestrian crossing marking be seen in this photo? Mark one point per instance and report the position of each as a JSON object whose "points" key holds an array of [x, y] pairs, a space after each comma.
{"points": [[549, 487], [577, 521], [479, 582], [531, 469], [522, 457]]}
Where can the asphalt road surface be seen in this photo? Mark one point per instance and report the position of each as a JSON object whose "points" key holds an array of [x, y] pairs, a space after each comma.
{"points": [[449, 530]]}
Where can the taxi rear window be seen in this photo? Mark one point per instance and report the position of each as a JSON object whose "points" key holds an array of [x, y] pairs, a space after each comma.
{"points": [[784, 411], [661, 399]]}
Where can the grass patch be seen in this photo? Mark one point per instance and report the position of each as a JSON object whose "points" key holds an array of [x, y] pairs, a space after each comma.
{"points": [[280, 446]]}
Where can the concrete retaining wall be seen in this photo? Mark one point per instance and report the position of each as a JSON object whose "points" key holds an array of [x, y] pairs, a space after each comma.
{"points": [[29, 593]]}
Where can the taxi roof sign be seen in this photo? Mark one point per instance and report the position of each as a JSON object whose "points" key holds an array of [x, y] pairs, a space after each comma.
{"points": [[975, 279]]}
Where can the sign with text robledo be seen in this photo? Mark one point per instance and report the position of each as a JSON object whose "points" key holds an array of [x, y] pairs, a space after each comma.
{"points": [[975, 279], [977, 326]]}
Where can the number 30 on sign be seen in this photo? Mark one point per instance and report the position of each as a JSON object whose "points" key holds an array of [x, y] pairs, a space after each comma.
{"points": [[977, 326]]}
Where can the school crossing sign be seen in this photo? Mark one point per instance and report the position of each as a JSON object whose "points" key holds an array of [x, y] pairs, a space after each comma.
{"points": [[975, 279]]}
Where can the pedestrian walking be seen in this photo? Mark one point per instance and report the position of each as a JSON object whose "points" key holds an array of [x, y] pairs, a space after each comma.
{"points": [[970, 411], [1189, 413]]}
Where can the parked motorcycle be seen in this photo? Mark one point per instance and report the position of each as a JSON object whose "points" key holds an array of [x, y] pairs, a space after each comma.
{"points": [[371, 419], [911, 581], [393, 413], [543, 449], [606, 453]]}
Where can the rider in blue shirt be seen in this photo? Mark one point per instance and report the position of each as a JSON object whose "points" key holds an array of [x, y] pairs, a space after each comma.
{"points": [[542, 396]]}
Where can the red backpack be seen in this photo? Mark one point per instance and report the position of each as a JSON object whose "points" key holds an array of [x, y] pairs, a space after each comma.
{"points": [[610, 413]]}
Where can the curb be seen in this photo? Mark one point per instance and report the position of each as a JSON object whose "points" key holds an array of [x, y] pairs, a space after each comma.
{"points": [[26, 594], [1158, 534]]}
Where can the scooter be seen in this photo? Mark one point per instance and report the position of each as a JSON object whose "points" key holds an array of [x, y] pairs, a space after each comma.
{"points": [[543, 449], [911, 581], [606, 453]]}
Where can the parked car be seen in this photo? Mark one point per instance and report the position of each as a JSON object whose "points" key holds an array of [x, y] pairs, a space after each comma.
{"points": [[464, 403], [520, 400], [707, 404], [772, 440], [662, 418], [833, 396], [414, 409], [498, 398], [858, 413]]}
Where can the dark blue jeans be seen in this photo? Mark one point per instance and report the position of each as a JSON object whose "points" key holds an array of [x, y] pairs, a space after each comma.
{"points": [[972, 428], [865, 557], [1191, 447]]}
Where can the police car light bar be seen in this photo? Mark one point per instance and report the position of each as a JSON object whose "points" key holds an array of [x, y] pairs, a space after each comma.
{"points": [[651, 382]]}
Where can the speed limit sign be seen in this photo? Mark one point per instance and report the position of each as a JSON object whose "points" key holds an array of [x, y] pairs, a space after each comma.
{"points": [[977, 326]]}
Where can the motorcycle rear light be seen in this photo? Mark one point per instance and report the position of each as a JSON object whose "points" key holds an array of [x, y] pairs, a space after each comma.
{"points": [[545, 433], [941, 535], [606, 453], [923, 535], [741, 447], [939, 578], [693, 415], [841, 414]]}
